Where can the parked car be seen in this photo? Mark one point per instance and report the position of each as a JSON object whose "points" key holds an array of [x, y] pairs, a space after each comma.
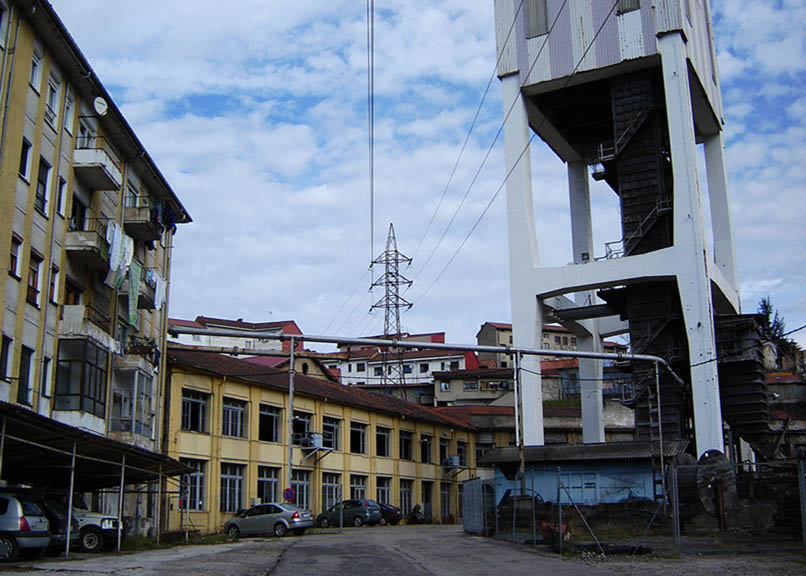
{"points": [[352, 513], [23, 526], [275, 519], [57, 519], [95, 530], [390, 514]]}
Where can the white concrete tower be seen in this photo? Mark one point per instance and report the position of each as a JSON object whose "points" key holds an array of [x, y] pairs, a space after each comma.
{"points": [[628, 88]]}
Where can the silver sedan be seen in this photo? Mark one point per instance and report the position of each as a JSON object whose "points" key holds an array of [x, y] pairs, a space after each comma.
{"points": [[275, 519]]}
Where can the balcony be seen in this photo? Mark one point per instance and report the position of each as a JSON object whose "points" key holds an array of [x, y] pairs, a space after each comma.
{"points": [[146, 299], [94, 165], [139, 221], [85, 242], [82, 321]]}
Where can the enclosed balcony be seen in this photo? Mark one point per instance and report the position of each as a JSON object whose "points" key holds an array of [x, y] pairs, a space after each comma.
{"points": [[85, 241], [86, 321], [146, 299], [94, 164], [140, 220]]}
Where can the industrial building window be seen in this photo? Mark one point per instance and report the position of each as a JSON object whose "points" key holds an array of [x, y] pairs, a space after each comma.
{"points": [[444, 386], [331, 489], [269, 424], [194, 411], [406, 488], [443, 450], [454, 365], [405, 445], [407, 368], [461, 451], [358, 438], [131, 402], [382, 436], [382, 489], [378, 370], [423, 368], [471, 385], [360, 367], [34, 266], [81, 377], [358, 487], [301, 484], [5, 354], [444, 500], [36, 69], [14, 260], [193, 496], [25, 160], [24, 387], [330, 432], [233, 418], [537, 17], [425, 448], [625, 6], [267, 483], [231, 487], [481, 450], [301, 426]]}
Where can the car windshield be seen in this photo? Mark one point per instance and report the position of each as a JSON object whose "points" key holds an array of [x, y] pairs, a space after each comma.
{"points": [[288, 506], [30, 508]]}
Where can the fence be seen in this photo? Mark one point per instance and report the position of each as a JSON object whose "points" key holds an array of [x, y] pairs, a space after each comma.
{"points": [[759, 506]]}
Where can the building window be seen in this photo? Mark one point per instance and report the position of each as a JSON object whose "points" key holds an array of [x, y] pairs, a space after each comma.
{"points": [[423, 368], [69, 112], [378, 370], [407, 368], [358, 438], [194, 411], [193, 497], [625, 6], [25, 160], [267, 483], [461, 450], [358, 487], [5, 354], [60, 198], [330, 433], [301, 426], [573, 341], [331, 489], [24, 387], [405, 445], [53, 291], [382, 436], [34, 266], [360, 367], [471, 385], [231, 487], [565, 340], [382, 489], [425, 448], [52, 101], [81, 377], [269, 425], [443, 450], [131, 402], [444, 386], [406, 489], [445, 500], [557, 340], [233, 419], [301, 484], [537, 18], [36, 70], [14, 260], [78, 218], [481, 450], [454, 365]]}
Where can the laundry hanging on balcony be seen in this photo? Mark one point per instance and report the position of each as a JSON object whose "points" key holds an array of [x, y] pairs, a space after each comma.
{"points": [[134, 290], [121, 251]]}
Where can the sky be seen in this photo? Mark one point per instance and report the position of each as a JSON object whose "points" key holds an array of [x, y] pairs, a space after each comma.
{"points": [[257, 115]]}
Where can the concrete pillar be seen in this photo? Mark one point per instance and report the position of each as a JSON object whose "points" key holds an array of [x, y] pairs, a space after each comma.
{"points": [[721, 222], [527, 320], [693, 278]]}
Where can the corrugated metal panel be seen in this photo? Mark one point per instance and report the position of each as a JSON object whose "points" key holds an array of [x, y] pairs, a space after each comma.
{"points": [[669, 14], [607, 45], [540, 70], [631, 35], [582, 32], [562, 48], [648, 23], [504, 15], [585, 452]]}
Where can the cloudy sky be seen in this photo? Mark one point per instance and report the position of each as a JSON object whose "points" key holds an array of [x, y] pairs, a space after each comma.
{"points": [[257, 115]]}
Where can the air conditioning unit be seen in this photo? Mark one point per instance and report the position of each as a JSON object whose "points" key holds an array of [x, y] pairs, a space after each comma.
{"points": [[451, 461], [312, 441]]}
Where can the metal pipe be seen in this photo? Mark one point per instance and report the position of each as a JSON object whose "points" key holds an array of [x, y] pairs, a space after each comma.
{"points": [[70, 502], [120, 500], [660, 436], [158, 518], [2, 445], [290, 412]]}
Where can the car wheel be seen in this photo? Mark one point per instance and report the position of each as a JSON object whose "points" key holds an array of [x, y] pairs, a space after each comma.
{"points": [[280, 529], [382, 521], [8, 548], [323, 523], [233, 531], [358, 521], [91, 539], [299, 531]]}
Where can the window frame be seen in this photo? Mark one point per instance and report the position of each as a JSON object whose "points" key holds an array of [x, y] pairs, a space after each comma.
{"points": [[191, 398], [89, 393], [37, 62], [196, 481], [14, 256], [6, 350], [233, 417], [24, 170], [331, 432], [231, 494], [24, 373], [269, 418], [358, 437], [358, 486], [405, 441], [383, 433], [268, 483], [34, 278], [426, 448]]}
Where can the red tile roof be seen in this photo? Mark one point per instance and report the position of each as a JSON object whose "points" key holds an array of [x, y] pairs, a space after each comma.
{"points": [[304, 385], [287, 326]]}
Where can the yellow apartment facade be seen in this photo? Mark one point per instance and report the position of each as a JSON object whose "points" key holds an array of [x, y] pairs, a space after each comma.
{"points": [[228, 420]]}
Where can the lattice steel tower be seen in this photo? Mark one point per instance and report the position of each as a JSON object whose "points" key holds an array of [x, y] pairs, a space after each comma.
{"points": [[391, 303]]}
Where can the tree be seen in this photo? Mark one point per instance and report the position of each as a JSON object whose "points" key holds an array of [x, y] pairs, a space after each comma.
{"points": [[774, 329]]}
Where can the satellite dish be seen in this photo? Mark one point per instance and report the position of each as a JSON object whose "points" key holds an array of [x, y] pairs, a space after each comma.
{"points": [[100, 106]]}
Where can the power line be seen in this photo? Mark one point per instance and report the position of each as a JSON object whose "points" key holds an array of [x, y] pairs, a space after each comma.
{"points": [[371, 123], [333, 319]]}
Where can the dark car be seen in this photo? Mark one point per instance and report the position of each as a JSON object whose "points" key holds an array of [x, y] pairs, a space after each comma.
{"points": [[57, 517], [275, 519], [390, 514], [351, 513]]}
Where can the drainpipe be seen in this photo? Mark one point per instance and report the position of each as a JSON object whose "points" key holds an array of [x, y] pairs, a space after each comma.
{"points": [[290, 412], [9, 82]]}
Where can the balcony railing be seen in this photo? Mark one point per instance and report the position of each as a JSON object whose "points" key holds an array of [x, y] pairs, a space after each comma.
{"points": [[80, 320], [86, 240], [139, 218], [96, 164], [146, 297]]}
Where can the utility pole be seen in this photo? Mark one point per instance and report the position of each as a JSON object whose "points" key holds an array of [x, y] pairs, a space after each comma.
{"points": [[391, 303]]}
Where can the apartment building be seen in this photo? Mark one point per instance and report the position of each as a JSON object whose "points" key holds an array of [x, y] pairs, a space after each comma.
{"points": [[87, 220], [555, 337], [228, 421], [251, 335]]}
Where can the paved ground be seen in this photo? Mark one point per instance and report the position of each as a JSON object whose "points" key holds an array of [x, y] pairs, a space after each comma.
{"points": [[406, 550]]}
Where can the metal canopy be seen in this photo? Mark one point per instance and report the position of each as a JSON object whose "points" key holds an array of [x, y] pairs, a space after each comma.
{"points": [[38, 451]]}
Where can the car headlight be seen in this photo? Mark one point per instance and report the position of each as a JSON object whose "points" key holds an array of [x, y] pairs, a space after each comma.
{"points": [[108, 523]]}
